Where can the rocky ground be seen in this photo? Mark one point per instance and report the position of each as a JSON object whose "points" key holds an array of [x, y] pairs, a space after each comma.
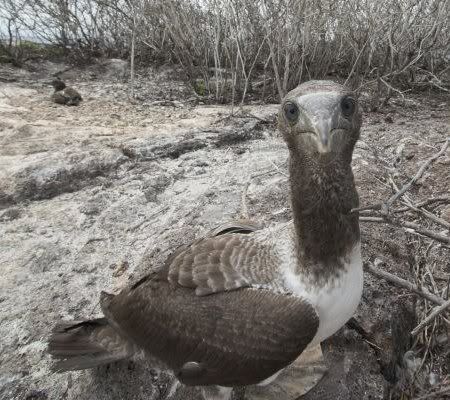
{"points": [[91, 196]]}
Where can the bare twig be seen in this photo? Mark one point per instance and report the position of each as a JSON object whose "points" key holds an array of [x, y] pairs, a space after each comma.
{"points": [[431, 216], [423, 231], [143, 221], [356, 61], [244, 208], [441, 199], [387, 218], [435, 395], [373, 207], [372, 219], [420, 204], [434, 313], [416, 177], [403, 283], [408, 226], [394, 89], [133, 51], [426, 352], [424, 213], [278, 169]]}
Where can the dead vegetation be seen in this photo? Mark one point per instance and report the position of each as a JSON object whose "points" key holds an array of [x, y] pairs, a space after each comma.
{"points": [[431, 308], [237, 50]]}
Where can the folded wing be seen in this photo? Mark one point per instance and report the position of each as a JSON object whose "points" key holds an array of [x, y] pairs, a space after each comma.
{"points": [[210, 313], [229, 338]]}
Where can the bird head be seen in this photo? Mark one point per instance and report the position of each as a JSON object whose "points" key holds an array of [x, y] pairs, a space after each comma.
{"points": [[58, 84], [320, 120]]}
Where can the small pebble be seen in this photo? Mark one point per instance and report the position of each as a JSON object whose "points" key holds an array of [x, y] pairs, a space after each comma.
{"points": [[378, 262], [35, 394], [433, 379], [120, 269]]}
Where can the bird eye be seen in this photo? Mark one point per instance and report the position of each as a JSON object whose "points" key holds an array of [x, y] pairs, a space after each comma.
{"points": [[348, 106], [291, 111]]}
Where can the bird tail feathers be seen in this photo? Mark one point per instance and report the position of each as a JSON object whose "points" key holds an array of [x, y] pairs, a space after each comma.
{"points": [[86, 344]]}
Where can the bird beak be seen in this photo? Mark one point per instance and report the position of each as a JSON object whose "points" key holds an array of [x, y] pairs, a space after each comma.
{"points": [[322, 129]]}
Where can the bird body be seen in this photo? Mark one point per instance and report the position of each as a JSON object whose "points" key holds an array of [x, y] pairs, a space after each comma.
{"points": [[59, 98], [65, 95], [335, 300], [240, 304]]}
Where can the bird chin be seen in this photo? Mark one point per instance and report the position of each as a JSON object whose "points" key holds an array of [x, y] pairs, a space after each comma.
{"points": [[317, 144], [323, 149], [333, 144]]}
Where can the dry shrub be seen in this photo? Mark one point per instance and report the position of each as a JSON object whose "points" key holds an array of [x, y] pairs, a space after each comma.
{"points": [[230, 49]]}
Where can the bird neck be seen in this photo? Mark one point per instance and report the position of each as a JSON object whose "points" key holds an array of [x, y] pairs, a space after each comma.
{"points": [[322, 195]]}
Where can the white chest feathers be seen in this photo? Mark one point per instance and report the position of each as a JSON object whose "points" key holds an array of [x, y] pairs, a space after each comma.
{"points": [[336, 300]]}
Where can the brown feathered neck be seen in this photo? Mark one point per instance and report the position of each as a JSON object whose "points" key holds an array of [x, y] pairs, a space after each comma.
{"points": [[323, 193], [58, 85]]}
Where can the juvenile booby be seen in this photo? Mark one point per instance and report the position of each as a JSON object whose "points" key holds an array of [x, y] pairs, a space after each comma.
{"points": [[63, 94], [239, 305]]}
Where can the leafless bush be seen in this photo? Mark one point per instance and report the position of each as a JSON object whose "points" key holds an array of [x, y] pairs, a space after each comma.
{"points": [[229, 48]]}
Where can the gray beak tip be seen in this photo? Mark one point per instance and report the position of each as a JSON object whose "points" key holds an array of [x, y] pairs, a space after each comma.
{"points": [[324, 148], [324, 142]]}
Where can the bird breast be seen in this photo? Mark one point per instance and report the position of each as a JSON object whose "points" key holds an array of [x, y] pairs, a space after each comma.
{"points": [[334, 299]]}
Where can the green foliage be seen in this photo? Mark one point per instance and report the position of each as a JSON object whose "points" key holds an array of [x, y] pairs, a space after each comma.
{"points": [[29, 46], [200, 87], [52, 52], [25, 50], [271, 45], [5, 57]]}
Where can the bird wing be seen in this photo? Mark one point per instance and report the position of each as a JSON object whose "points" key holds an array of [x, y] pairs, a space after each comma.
{"points": [[227, 258], [72, 93], [233, 338], [207, 316], [59, 98], [218, 261], [243, 226]]}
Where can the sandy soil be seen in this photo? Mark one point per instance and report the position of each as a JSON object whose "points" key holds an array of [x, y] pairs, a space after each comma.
{"points": [[91, 196]]}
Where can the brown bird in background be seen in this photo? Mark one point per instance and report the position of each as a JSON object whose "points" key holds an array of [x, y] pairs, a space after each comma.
{"points": [[242, 303], [63, 94]]}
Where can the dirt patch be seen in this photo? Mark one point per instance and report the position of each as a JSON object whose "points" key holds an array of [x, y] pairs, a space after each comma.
{"points": [[84, 189]]}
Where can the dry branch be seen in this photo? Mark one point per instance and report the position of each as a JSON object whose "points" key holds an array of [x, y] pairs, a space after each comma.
{"points": [[438, 395], [385, 214], [416, 177], [285, 39], [385, 207], [403, 283], [430, 216], [434, 313], [426, 202], [408, 226]]}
